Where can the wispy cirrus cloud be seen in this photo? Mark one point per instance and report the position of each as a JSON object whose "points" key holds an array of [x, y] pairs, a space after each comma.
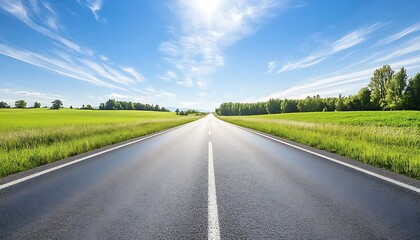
{"points": [[13, 94], [66, 57], [351, 78], [348, 41], [133, 72], [271, 66], [117, 96], [394, 37], [325, 86], [95, 6], [169, 75], [35, 16], [148, 94], [343, 81], [206, 28], [411, 46]]}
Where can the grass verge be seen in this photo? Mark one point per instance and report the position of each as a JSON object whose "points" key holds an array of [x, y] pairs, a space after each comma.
{"points": [[30, 138], [389, 140]]}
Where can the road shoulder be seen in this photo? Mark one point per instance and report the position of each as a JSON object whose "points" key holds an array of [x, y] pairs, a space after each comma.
{"points": [[383, 172]]}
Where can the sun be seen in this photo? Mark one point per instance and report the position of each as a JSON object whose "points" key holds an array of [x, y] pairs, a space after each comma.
{"points": [[208, 7]]}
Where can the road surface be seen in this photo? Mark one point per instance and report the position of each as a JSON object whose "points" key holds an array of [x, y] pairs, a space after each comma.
{"points": [[208, 179]]}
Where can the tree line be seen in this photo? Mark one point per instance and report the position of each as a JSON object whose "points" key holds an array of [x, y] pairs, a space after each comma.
{"points": [[189, 111], [387, 90], [111, 104], [56, 104]]}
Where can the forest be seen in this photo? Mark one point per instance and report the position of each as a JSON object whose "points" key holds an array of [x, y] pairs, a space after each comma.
{"points": [[387, 90]]}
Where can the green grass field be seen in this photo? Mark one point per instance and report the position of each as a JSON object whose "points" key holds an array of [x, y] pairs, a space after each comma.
{"points": [[33, 137], [389, 140]]}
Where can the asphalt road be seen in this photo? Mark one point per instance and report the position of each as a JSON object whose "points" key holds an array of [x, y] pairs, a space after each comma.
{"points": [[208, 179]]}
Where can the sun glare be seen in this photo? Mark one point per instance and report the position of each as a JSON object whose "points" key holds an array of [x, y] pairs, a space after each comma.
{"points": [[208, 7]]}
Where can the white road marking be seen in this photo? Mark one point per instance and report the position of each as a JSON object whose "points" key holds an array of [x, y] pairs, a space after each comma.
{"points": [[390, 180], [9, 184], [213, 218], [209, 132]]}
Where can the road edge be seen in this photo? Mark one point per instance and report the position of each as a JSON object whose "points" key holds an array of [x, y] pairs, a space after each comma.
{"points": [[385, 175], [19, 177]]}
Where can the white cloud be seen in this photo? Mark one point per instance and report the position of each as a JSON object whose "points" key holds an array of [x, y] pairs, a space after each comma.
{"points": [[117, 96], [29, 16], [341, 83], [69, 59], [133, 73], [150, 91], [403, 33], [54, 64], [103, 58], [202, 84], [169, 75], [207, 27], [168, 94], [30, 95], [409, 47], [271, 66], [95, 6], [324, 86], [348, 41]]}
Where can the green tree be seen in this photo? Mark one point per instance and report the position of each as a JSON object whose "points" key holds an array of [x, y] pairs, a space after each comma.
{"points": [[289, 105], [340, 103], [57, 104], [378, 85], [412, 93], [37, 104], [110, 104], [395, 89], [4, 105], [20, 104], [177, 111], [364, 96], [273, 106]]}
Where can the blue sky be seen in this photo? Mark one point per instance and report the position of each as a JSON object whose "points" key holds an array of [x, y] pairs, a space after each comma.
{"points": [[199, 53]]}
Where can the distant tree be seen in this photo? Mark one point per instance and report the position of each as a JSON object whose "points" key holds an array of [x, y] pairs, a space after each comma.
{"points": [[71, 107], [156, 108], [139, 106], [395, 89], [378, 85], [177, 111], [364, 97], [37, 105], [273, 106], [289, 105], [110, 104], [4, 105], [340, 103], [20, 104], [412, 93], [57, 104]]}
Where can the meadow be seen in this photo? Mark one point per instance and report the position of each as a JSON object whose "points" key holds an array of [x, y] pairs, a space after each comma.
{"points": [[33, 137], [389, 140]]}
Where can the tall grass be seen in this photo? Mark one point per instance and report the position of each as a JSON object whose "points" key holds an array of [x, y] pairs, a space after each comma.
{"points": [[377, 143], [26, 144]]}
